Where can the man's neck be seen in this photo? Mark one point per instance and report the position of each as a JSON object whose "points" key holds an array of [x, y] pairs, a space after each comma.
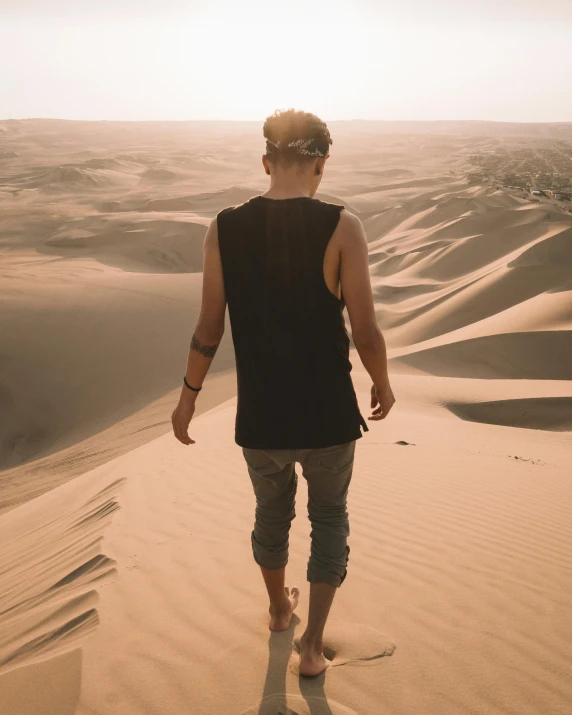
{"points": [[274, 193], [285, 188]]}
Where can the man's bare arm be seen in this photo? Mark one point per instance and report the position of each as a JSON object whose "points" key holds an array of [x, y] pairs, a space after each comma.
{"points": [[210, 325], [207, 335], [356, 290]]}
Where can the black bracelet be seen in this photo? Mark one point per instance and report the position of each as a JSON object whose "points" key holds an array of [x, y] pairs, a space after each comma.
{"points": [[194, 389]]}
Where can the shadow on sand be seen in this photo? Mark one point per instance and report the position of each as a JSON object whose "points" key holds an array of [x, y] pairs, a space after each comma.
{"points": [[275, 700]]}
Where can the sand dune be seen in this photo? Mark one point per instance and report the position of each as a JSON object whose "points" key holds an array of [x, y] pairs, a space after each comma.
{"points": [[435, 273], [66, 178], [457, 593], [51, 569], [170, 244], [535, 355], [207, 202], [111, 346], [550, 413], [160, 175]]}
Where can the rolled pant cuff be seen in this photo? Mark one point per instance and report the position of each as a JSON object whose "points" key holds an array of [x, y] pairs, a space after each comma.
{"points": [[332, 573], [271, 560], [321, 575], [326, 577]]}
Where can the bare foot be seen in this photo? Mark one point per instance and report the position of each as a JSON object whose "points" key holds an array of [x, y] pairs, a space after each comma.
{"points": [[280, 617], [312, 659]]}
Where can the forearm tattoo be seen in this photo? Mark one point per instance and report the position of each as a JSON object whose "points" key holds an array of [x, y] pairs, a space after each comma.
{"points": [[207, 351]]}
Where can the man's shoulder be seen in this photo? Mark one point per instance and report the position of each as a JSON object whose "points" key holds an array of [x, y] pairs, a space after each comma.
{"points": [[232, 221], [235, 209], [349, 232], [347, 218], [349, 225], [225, 212], [328, 205]]}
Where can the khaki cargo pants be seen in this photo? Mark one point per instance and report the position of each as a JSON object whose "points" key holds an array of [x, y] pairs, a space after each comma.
{"points": [[328, 472]]}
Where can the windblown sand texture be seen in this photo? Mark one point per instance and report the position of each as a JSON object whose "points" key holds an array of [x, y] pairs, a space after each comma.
{"points": [[127, 585]]}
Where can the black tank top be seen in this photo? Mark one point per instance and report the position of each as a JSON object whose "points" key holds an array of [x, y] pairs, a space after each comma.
{"points": [[292, 348]]}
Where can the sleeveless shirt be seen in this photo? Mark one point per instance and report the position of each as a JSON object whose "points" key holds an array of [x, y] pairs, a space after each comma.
{"points": [[291, 344]]}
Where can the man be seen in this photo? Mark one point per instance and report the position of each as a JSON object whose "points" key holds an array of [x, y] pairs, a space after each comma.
{"points": [[287, 263]]}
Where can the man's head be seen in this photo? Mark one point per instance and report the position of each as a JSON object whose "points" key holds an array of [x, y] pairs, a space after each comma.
{"points": [[296, 143]]}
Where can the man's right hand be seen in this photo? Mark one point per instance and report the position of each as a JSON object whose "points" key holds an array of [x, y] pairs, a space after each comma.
{"points": [[382, 399]]}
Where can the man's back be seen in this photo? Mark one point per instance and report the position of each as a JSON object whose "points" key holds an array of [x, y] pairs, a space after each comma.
{"points": [[292, 348]]}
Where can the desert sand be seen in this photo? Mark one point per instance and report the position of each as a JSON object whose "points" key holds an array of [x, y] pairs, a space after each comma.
{"points": [[125, 587]]}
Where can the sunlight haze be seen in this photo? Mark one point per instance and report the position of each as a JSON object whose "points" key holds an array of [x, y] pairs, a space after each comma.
{"points": [[507, 61]]}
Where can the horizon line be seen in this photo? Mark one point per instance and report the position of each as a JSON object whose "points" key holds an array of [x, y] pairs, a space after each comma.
{"points": [[256, 121]]}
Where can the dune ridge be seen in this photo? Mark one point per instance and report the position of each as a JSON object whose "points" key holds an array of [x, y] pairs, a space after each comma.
{"points": [[51, 568]]}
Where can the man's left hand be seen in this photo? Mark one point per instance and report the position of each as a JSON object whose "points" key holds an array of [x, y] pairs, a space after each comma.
{"points": [[181, 419]]}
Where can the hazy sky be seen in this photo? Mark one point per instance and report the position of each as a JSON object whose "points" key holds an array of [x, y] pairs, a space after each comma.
{"points": [[507, 60]]}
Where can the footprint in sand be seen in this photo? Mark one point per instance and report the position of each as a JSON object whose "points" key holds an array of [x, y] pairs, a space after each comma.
{"points": [[286, 704], [351, 644]]}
